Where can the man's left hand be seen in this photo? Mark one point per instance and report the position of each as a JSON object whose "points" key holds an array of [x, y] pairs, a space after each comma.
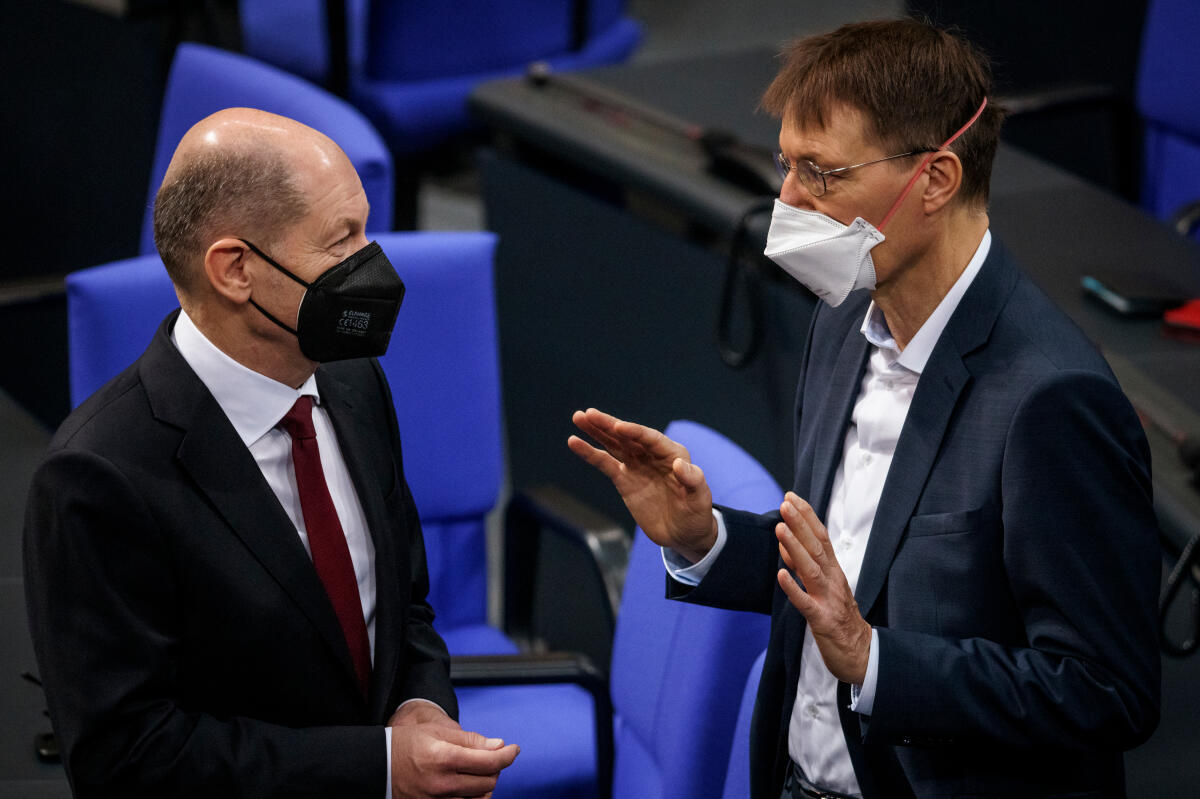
{"points": [[826, 601]]}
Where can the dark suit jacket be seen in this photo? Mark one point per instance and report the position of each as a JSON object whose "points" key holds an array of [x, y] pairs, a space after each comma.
{"points": [[186, 644], [1012, 568]]}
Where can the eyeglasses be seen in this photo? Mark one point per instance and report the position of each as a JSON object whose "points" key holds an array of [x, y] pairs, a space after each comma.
{"points": [[813, 177]]}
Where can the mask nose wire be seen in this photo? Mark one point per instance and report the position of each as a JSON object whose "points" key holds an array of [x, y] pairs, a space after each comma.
{"points": [[913, 180]]}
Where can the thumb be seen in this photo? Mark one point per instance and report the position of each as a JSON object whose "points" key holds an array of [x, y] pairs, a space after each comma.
{"points": [[691, 475], [472, 740]]}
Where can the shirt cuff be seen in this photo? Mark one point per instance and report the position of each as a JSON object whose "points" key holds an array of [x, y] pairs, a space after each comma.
{"points": [[862, 697], [688, 573], [387, 737]]}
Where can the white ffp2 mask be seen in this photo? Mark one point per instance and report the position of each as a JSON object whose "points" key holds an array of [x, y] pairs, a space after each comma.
{"points": [[829, 258]]}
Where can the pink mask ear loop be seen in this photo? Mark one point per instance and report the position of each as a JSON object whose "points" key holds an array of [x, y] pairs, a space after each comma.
{"points": [[913, 180]]}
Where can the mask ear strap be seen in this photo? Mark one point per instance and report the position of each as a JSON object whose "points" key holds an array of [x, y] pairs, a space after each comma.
{"points": [[271, 261], [913, 180], [263, 311]]}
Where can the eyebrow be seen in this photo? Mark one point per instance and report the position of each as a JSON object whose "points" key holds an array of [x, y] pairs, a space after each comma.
{"points": [[346, 226], [806, 155]]}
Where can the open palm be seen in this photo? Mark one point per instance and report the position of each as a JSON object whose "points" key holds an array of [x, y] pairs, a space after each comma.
{"points": [[665, 492]]}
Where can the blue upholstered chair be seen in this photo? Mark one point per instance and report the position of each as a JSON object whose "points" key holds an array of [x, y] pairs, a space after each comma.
{"points": [[443, 367], [737, 775], [678, 670], [204, 80], [411, 65], [1168, 98]]}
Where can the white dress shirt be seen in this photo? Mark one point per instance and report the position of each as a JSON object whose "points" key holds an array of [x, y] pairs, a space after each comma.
{"points": [[815, 739], [254, 404]]}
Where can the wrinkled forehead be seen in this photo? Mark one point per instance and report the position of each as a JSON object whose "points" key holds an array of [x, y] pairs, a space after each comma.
{"points": [[839, 128]]}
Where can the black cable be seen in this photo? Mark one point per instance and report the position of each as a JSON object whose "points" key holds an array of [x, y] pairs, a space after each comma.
{"points": [[738, 271], [1188, 559]]}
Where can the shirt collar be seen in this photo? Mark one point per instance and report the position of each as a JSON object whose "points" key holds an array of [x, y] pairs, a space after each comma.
{"points": [[253, 402], [916, 354]]}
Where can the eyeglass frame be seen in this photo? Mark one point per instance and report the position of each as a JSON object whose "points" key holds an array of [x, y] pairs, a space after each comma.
{"points": [[783, 166]]}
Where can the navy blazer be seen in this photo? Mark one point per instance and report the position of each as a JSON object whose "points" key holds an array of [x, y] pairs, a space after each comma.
{"points": [[184, 639], [1011, 573]]}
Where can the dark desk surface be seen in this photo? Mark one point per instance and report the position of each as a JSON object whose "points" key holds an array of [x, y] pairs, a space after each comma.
{"points": [[22, 443], [1059, 226]]}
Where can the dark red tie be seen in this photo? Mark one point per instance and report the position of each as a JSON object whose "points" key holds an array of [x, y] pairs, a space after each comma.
{"points": [[330, 554]]}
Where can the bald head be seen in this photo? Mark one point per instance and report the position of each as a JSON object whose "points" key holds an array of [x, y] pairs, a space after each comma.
{"points": [[240, 172]]}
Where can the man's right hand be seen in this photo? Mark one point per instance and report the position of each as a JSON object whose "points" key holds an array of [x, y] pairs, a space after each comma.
{"points": [[433, 756], [665, 492]]}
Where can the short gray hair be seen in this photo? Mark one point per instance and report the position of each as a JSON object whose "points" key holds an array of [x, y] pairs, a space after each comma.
{"points": [[250, 193]]}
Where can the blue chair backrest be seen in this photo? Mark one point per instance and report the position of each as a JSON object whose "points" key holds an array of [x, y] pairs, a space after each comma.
{"points": [[442, 366], [677, 669], [204, 80], [418, 40], [1168, 98], [737, 775], [293, 35], [112, 313]]}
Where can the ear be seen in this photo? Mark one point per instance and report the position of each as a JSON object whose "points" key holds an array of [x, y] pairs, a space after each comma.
{"points": [[945, 178], [225, 268]]}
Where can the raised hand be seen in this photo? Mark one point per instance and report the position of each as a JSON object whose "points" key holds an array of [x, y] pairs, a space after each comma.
{"points": [[665, 492], [843, 636], [432, 756]]}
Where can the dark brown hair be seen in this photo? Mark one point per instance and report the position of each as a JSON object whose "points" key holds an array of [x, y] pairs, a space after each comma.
{"points": [[915, 85], [236, 192]]}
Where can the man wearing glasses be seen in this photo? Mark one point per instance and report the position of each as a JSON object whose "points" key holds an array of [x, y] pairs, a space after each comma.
{"points": [[963, 581]]}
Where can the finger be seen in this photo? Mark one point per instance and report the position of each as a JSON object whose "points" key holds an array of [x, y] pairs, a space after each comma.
{"points": [[602, 434], [602, 421], [801, 528], [470, 760], [654, 442], [801, 562], [810, 517], [689, 475], [783, 552], [477, 740], [609, 466], [795, 594]]}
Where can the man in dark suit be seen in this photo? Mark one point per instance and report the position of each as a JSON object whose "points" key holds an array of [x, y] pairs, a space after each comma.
{"points": [[225, 571], [971, 517]]}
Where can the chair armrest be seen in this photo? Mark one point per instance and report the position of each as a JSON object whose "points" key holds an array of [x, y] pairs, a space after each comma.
{"points": [[544, 669], [564, 572]]}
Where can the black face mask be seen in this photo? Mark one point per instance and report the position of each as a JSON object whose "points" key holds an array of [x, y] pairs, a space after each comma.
{"points": [[347, 312]]}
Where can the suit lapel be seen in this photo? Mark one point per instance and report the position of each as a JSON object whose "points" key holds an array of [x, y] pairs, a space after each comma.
{"points": [[831, 421], [223, 469], [371, 469], [827, 424], [938, 391]]}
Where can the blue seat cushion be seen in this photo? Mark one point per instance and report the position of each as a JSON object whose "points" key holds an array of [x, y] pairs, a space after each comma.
{"points": [[553, 725]]}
